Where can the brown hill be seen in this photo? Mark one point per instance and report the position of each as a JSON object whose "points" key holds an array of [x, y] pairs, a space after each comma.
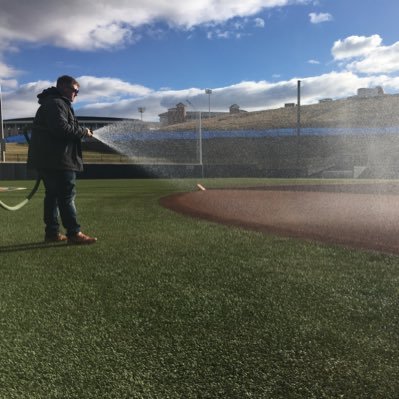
{"points": [[381, 111]]}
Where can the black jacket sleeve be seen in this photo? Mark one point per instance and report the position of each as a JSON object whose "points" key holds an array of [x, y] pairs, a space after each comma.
{"points": [[61, 121]]}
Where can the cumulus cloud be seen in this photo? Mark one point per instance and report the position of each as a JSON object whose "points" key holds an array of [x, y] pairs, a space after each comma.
{"points": [[249, 95], [7, 71], [9, 84], [100, 24], [366, 63], [360, 56], [367, 55], [106, 87], [319, 18], [355, 46], [21, 101], [116, 98], [381, 60]]}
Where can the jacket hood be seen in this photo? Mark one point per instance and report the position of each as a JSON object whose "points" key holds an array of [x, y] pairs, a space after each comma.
{"points": [[50, 92]]}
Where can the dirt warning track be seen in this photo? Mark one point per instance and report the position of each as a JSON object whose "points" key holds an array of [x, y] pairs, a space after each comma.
{"points": [[355, 215]]}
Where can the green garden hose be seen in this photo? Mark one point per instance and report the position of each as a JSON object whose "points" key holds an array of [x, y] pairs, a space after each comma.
{"points": [[24, 202], [31, 194]]}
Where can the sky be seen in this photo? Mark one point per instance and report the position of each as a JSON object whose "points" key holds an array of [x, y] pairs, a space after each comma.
{"points": [[154, 54]]}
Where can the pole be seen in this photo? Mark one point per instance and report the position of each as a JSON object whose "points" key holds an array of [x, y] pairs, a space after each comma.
{"points": [[298, 119], [2, 139], [200, 144], [141, 110], [200, 136], [298, 130], [209, 92]]}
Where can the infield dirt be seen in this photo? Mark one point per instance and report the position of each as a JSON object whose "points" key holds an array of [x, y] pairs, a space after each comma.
{"points": [[354, 215]]}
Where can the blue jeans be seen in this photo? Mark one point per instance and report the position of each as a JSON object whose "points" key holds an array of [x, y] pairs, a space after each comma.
{"points": [[59, 200]]}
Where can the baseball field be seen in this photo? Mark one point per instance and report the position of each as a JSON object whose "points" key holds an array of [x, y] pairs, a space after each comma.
{"points": [[167, 305]]}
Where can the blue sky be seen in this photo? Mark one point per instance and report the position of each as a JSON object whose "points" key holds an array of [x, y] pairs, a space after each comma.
{"points": [[156, 53]]}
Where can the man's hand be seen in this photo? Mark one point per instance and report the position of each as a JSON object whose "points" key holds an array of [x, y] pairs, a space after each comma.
{"points": [[89, 133]]}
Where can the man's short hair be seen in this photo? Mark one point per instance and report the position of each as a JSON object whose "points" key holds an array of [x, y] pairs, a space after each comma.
{"points": [[66, 80]]}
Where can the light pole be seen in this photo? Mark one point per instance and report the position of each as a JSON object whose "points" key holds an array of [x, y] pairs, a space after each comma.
{"points": [[298, 128], [2, 139], [141, 110], [200, 137], [298, 118], [209, 92]]}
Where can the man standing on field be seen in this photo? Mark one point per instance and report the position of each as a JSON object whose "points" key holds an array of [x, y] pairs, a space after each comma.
{"points": [[55, 152]]}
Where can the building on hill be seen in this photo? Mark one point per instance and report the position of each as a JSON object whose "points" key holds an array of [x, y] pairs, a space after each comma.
{"points": [[235, 109], [174, 115], [179, 114], [370, 92], [325, 100]]}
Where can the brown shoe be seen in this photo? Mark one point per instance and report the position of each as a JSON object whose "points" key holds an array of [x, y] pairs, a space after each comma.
{"points": [[55, 238], [80, 238]]}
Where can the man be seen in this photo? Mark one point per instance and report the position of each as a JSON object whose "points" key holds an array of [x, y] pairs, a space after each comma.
{"points": [[55, 152]]}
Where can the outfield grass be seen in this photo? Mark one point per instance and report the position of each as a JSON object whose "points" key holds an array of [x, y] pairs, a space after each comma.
{"points": [[165, 306]]}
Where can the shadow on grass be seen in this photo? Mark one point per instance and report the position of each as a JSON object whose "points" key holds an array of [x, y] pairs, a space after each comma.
{"points": [[30, 246]]}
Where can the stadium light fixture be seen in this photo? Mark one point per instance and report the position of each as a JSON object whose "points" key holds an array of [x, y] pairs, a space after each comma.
{"points": [[141, 110]]}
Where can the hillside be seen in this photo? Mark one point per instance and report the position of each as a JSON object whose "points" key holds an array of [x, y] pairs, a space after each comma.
{"points": [[354, 112]]}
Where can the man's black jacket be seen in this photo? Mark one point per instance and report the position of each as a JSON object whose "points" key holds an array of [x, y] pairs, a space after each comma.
{"points": [[56, 135]]}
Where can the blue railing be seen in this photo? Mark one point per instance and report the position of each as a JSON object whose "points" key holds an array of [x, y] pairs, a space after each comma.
{"points": [[212, 134]]}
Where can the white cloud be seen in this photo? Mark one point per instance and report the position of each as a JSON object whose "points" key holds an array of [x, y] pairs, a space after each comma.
{"points": [[108, 96], [319, 18], [259, 22], [8, 84], [380, 60], [366, 55], [219, 34], [313, 62], [7, 71], [250, 95], [355, 46], [95, 24], [116, 98], [106, 87], [232, 29], [22, 101]]}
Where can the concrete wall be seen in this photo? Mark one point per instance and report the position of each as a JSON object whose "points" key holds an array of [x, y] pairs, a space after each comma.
{"points": [[18, 171], [15, 171]]}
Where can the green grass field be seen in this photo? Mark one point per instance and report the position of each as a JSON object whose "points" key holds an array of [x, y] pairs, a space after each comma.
{"points": [[165, 306]]}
